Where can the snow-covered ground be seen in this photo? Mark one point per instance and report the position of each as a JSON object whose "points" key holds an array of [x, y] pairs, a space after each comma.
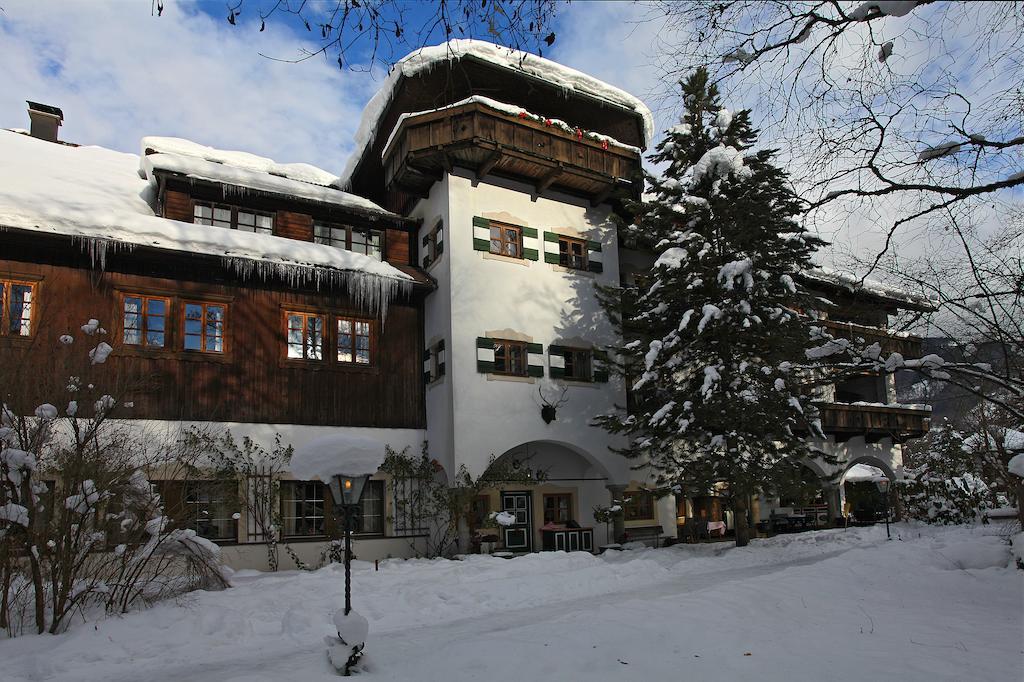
{"points": [[934, 604]]}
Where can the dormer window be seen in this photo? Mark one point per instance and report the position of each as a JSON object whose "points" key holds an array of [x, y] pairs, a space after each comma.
{"points": [[232, 217], [359, 239]]}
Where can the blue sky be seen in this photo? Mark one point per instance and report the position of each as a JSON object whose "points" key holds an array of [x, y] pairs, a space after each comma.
{"points": [[119, 73]]}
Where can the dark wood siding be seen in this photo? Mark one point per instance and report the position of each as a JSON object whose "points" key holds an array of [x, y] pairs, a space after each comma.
{"points": [[397, 242], [294, 225], [177, 206], [251, 382]]}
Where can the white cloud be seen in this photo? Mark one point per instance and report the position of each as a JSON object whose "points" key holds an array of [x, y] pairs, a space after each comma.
{"points": [[119, 73]]}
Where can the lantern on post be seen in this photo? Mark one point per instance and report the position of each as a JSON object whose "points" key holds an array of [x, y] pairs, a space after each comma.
{"points": [[883, 487], [347, 492]]}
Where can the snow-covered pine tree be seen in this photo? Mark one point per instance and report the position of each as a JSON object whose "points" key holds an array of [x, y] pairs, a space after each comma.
{"points": [[720, 334]]}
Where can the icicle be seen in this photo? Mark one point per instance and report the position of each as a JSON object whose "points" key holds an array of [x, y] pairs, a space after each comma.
{"points": [[368, 291]]}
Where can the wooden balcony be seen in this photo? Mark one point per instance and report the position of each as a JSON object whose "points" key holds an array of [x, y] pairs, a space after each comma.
{"points": [[487, 142], [907, 346], [874, 422]]}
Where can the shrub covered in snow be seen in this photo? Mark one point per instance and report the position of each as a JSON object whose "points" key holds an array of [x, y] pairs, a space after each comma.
{"points": [[81, 530], [943, 481]]}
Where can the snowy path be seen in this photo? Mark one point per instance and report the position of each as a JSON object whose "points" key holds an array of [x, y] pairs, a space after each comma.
{"points": [[401, 653], [825, 606]]}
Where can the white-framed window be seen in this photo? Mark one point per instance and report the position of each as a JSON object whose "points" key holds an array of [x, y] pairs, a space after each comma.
{"points": [[359, 239], [232, 217]]}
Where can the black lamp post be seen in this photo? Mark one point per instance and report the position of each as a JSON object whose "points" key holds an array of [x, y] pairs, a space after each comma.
{"points": [[883, 487], [347, 490]]}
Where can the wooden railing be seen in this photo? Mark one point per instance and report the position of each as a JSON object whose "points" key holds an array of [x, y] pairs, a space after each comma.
{"points": [[874, 421], [907, 346], [487, 141]]}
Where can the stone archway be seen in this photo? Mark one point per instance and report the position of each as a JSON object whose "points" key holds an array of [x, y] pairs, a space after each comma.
{"points": [[570, 484], [859, 495]]}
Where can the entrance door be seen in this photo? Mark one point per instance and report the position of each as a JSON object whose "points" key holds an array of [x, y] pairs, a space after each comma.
{"points": [[518, 536]]}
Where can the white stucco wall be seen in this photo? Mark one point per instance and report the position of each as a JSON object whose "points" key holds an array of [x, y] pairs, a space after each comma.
{"points": [[480, 295]]}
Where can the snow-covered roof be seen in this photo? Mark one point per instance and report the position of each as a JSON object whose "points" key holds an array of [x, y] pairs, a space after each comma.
{"points": [[99, 197], [175, 155], [853, 284], [303, 172], [427, 58], [860, 473]]}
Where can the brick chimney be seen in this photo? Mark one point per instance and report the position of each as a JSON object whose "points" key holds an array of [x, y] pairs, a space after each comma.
{"points": [[44, 121]]}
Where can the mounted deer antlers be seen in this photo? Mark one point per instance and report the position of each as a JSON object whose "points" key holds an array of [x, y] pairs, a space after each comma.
{"points": [[548, 409]]}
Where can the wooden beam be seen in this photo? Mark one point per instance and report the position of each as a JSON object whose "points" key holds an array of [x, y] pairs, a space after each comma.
{"points": [[548, 178], [489, 163], [434, 174], [446, 161]]}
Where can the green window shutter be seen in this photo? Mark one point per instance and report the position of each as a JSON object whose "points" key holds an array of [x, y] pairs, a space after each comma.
{"points": [[427, 355], [484, 342], [551, 237], [595, 266], [536, 370], [534, 348], [426, 239], [426, 377], [440, 248], [530, 232], [552, 258], [484, 366], [529, 254], [480, 244], [440, 369], [426, 261], [593, 246], [557, 372], [601, 376]]}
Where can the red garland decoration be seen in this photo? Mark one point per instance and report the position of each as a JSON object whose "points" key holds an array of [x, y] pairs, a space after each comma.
{"points": [[579, 134], [604, 144], [547, 121], [522, 114]]}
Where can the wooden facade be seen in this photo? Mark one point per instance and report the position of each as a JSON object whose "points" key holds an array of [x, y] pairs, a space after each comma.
{"points": [[874, 422], [252, 380], [461, 78], [487, 141]]}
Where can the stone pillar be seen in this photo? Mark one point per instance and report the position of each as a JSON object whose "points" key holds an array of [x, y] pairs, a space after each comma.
{"points": [[835, 502], [618, 525]]}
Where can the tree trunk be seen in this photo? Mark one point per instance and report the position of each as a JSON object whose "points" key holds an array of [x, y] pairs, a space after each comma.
{"points": [[739, 511]]}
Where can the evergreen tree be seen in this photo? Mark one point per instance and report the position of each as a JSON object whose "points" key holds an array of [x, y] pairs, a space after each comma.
{"points": [[721, 334], [944, 482]]}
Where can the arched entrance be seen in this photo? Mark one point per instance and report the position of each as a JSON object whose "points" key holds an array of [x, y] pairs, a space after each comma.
{"points": [[862, 502], [550, 502]]}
